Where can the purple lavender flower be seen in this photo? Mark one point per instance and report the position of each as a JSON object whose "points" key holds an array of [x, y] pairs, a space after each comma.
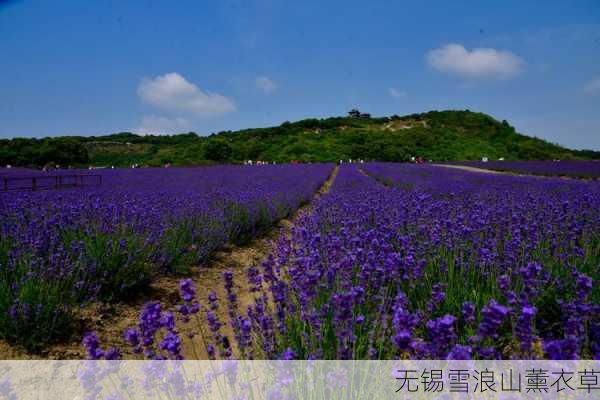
{"points": [[584, 286], [210, 349], [150, 322], [460, 352], [504, 282], [228, 276], [468, 312], [254, 279], [564, 349], [213, 321], [288, 354], [171, 343], [492, 317], [441, 334], [524, 328], [167, 320], [92, 346], [403, 339], [212, 300], [403, 323], [132, 337], [437, 296], [187, 289], [113, 354]]}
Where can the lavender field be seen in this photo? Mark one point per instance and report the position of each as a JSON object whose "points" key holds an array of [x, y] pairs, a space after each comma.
{"points": [[392, 261], [402, 261], [61, 249], [569, 168]]}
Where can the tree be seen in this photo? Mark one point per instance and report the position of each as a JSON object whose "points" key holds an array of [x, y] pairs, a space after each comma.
{"points": [[68, 151], [217, 150]]}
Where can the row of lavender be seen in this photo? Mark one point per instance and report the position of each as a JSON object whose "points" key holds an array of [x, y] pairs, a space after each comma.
{"points": [[60, 248], [414, 262], [569, 168]]}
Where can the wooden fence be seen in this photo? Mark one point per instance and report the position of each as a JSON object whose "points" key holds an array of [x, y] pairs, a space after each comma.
{"points": [[45, 182]]}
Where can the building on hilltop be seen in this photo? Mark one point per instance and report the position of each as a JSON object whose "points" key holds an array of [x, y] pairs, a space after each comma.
{"points": [[355, 113]]}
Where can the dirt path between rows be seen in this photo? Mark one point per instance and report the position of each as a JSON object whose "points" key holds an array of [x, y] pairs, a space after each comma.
{"points": [[474, 169], [109, 321], [511, 173]]}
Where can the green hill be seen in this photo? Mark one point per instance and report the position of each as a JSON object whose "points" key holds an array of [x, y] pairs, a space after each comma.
{"points": [[435, 135]]}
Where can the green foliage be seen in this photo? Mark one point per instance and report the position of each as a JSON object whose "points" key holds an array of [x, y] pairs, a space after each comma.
{"points": [[39, 152], [42, 310], [120, 260], [217, 150], [435, 135]]}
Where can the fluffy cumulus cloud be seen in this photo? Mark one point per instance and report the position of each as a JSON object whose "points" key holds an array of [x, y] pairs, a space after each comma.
{"points": [[266, 85], [161, 125], [592, 87], [395, 93], [172, 93], [455, 59]]}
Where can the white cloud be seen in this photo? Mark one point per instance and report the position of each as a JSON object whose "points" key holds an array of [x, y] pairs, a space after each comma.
{"points": [[266, 85], [160, 125], [478, 63], [395, 93], [592, 87], [174, 94]]}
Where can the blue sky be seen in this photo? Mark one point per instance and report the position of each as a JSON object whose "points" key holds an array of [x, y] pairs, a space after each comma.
{"points": [[98, 67]]}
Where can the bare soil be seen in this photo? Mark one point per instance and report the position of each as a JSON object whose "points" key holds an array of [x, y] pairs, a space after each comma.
{"points": [[490, 171], [109, 320], [397, 125], [472, 169]]}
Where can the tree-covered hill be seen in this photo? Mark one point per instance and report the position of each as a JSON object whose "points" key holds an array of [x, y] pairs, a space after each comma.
{"points": [[435, 135]]}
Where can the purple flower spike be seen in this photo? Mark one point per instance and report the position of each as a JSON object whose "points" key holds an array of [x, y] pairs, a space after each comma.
{"points": [[492, 317], [460, 352], [565, 349], [187, 288], [288, 354], [92, 346], [132, 337], [468, 312], [171, 343]]}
